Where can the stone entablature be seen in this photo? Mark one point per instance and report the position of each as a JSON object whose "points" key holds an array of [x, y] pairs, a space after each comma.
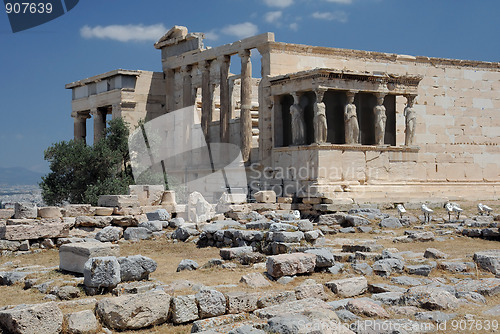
{"points": [[345, 81]]}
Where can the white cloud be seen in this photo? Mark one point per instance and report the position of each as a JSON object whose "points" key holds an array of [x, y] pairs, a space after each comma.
{"points": [[211, 35], [278, 3], [331, 16], [343, 2], [240, 30], [294, 26], [124, 33], [271, 17]]}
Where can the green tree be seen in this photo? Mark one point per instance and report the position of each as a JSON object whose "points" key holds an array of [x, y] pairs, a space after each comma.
{"points": [[81, 173]]}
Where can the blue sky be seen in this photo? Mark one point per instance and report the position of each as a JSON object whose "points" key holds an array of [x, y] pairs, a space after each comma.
{"points": [[102, 35]]}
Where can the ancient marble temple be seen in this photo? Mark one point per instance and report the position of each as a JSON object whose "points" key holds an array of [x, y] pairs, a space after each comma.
{"points": [[330, 125]]}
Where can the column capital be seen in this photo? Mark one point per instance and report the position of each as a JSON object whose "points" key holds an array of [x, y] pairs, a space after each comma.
{"points": [[205, 64], [224, 58], [380, 95], [410, 98], [245, 54], [352, 92]]}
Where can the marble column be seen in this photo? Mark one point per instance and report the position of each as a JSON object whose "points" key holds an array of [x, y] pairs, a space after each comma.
{"points": [[225, 107], [351, 120], [246, 105], [170, 89], [320, 124], [207, 98], [410, 120], [187, 86], [99, 116], [116, 111], [380, 119], [80, 127]]}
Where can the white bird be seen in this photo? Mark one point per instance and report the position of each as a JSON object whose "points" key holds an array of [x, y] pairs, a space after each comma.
{"points": [[457, 209], [483, 208], [296, 214], [427, 213], [449, 208], [401, 209]]}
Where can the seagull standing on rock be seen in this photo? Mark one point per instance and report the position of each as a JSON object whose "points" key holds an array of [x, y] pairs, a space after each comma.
{"points": [[427, 213], [401, 210], [483, 208]]}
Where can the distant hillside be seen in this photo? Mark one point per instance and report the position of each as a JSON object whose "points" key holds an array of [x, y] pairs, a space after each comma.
{"points": [[19, 176]]}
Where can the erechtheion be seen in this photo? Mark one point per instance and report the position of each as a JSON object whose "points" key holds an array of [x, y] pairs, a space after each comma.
{"points": [[330, 125]]}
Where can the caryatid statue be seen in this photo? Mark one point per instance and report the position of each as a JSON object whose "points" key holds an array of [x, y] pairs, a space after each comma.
{"points": [[351, 120], [298, 122], [380, 120], [411, 120], [320, 125]]}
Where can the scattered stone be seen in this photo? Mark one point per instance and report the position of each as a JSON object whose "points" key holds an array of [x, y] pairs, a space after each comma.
{"points": [[239, 302], [290, 264], [276, 298], [251, 258], [433, 253], [137, 233], [305, 225], [101, 272], [49, 212], [182, 233], [388, 298], [152, 225], [265, 196], [208, 326], [362, 268], [435, 316], [83, 322], [211, 303], [11, 277], [429, 298], [187, 264], [67, 292], [419, 269], [136, 267], [25, 211], [109, 233], [11, 245], [311, 291], [405, 280], [232, 253], [198, 209], [386, 267], [471, 296], [367, 308], [72, 257], [86, 221], [176, 222], [391, 222], [160, 214], [348, 287], [288, 237], [184, 309], [134, 311], [324, 257], [484, 286], [353, 221], [44, 318], [255, 280], [456, 267], [488, 260]]}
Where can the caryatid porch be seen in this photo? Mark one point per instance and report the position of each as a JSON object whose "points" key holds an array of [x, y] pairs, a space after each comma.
{"points": [[323, 117]]}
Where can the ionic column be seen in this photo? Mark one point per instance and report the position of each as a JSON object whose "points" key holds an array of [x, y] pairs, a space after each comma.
{"points": [[246, 104], [80, 127], [225, 107], [380, 119], [320, 124], [99, 124], [170, 89], [207, 98], [187, 87]]}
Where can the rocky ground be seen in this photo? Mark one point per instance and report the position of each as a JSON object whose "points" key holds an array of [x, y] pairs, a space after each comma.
{"points": [[365, 271]]}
